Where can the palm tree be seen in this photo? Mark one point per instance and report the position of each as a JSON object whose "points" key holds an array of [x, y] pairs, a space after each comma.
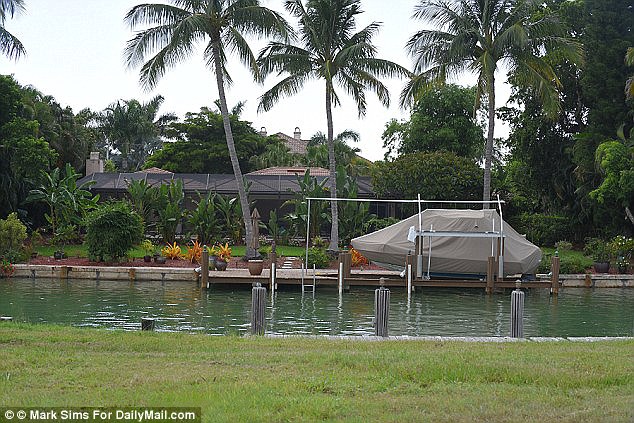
{"points": [[174, 31], [10, 46], [332, 52], [134, 129], [480, 35]]}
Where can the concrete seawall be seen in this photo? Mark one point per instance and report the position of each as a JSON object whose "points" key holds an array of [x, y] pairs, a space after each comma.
{"points": [[190, 275]]}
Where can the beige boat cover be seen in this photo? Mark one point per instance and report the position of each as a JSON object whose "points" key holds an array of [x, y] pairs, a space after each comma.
{"points": [[452, 254]]}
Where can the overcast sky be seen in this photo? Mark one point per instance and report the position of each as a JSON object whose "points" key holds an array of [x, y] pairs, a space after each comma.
{"points": [[75, 53]]}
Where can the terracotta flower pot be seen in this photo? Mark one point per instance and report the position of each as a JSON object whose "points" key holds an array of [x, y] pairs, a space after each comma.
{"points": [[255, 267]]}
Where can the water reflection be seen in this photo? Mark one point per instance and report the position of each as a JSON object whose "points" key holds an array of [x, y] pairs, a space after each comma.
{"points": [[182, 306]]}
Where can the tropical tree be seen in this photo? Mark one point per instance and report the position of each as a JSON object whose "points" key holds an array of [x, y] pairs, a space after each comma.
{"points": [[333, 52], [134, 129], [10, 46], [174, 31], [629, 60], [345, 155], [479, 36]]}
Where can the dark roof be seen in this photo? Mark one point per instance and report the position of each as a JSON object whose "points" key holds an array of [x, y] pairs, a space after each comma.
{"points": [[291, 170], [261, 185]]}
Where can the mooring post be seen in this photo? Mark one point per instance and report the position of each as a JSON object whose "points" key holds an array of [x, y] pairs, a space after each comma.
{"points": [[147, 323], [381, 309], [555, 276], [345, 270], [132, 274], [204, 268], [517, 312], [409, 272], [258, 297], [490, 275], [63, 272], [273, 277]]}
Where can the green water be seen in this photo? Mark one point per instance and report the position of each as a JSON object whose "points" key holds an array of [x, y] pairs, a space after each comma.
{"points": [[181, 306]]}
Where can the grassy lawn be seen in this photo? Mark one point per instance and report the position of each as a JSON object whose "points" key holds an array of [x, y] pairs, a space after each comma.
{"points": [[238, 379]]}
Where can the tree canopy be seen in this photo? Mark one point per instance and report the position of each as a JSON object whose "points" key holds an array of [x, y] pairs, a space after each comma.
{"points": [[202, 147]]}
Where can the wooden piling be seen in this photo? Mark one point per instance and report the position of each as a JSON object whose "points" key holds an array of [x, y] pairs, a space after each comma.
{"points": [[345, 270], [204, 268], [147, 324], [555, 276], [63, 272], [381, 310], [410, 269], [132, 274], [258, 297], [490, 275]]}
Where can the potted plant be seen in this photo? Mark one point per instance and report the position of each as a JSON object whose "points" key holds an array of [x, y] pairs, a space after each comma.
{"points": [[598, 250], [223, 254], [149, 249], [255, 267], [60, 238]]}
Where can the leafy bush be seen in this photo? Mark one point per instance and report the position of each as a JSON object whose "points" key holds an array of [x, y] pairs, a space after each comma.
{"points": [[563, 245], [542, 229], [12, 236], [570, 262], [318, 257], [172, 251], [597, 249], [438, 175], [112, 230], [376, 223]]}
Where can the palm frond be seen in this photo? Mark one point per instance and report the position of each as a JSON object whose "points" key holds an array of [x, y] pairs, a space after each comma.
{"points": [[10, 46], [288, 86]]}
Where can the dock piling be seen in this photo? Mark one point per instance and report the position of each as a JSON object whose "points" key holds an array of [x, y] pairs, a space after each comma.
{"points": [[147, 324], [204, 268], [258, 297], [381, 310], [273, 277], [490, 275], [517, 312], [555, 276]]}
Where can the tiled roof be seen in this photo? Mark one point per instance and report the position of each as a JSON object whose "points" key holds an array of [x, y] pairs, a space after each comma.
{"points": [[294, 170], [296, 146]]}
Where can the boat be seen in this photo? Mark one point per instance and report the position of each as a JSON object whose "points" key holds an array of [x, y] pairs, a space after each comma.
{"points": [[452, 243]]}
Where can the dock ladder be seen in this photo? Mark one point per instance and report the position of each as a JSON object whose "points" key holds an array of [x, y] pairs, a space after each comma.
{"points": [[305, 284]]}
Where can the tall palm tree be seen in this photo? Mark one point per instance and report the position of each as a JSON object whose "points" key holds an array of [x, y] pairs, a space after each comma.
{"points": [[480, 35], [10, 46], [333, 52], [175, 30], [629, 60]]}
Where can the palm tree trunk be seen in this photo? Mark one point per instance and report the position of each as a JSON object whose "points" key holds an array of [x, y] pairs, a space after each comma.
{"points": [[224, 111], [488, 150], [334, 228]]}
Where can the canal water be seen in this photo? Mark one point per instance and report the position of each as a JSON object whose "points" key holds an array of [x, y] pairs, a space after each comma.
{"points": [[181, 306]]}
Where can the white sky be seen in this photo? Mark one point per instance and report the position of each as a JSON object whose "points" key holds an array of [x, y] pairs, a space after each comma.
{"points": [[75, 53]]}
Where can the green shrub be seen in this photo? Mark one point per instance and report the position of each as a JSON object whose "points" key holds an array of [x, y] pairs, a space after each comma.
{"points": [[318, 257], [12, 236], [375, 223], [563, 245], [570, 262], [597, 249], [112, 230], [542, 229]]}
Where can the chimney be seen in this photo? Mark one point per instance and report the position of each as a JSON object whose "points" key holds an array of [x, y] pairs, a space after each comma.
{"points": [[263, 131], [297, 134], [94, 164]]}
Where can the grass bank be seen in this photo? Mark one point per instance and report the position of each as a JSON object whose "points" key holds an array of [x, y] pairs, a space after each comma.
{"points": [[262, 379]]}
